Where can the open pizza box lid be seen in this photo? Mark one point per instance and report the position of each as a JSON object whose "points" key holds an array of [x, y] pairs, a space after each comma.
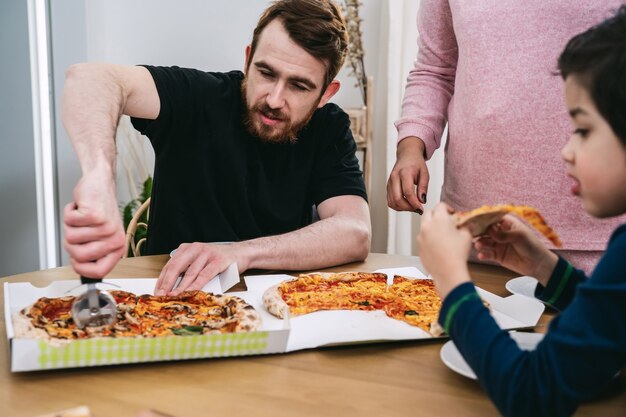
{"points": [[328, 328], [32, 354]]}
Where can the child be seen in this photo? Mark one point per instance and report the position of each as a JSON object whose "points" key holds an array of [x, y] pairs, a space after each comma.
{"points": [[585, 346]]}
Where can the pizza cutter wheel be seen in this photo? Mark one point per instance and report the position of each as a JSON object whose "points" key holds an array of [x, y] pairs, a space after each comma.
{"points": [[94, 308]]}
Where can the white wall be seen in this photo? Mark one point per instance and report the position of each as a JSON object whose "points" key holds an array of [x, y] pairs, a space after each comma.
{"points": [[209, 35], [19, 250], [68, 44]]}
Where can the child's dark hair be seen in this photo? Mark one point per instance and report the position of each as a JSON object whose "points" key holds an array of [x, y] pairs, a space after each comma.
{"points": [[597, 58]]}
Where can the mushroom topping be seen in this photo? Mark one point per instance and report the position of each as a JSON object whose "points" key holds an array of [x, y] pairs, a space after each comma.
{"points": [[60, 323], [179, 307], [130, 318], [215, 311]]}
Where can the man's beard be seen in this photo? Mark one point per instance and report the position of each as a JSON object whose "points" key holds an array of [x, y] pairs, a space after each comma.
{"points": [[270, 134]]}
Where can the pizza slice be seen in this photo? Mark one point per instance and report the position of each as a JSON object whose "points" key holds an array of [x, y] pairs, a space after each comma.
{"points": [[315, 292], [416, 302], [51, 316], [195, 312], [483, 217]]}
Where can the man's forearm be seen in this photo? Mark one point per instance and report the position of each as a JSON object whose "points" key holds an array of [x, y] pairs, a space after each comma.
{"points": [[93, 100], [91, 106], [328, 242]]}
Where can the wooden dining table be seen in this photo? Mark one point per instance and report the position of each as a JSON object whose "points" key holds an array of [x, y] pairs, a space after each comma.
{"points": [[387, 379]]}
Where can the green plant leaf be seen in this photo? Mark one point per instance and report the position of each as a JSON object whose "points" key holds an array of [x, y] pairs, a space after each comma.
{"points": [[147, 189]]}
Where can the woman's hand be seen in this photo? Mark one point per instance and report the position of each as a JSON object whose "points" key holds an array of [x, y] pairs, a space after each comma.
{"points": [[408, 182]]}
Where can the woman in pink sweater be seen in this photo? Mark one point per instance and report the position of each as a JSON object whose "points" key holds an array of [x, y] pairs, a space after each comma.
{"points": [[487, 68]]}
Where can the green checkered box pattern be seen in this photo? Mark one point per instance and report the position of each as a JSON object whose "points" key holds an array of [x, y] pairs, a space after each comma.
{"points": [[94, 352]]}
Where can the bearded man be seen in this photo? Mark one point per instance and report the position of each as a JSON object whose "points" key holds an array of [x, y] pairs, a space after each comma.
{"points": [[240, 157]]}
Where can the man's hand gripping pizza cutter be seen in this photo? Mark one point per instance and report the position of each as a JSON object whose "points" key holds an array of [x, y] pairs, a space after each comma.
{"points": [[94, 308]]}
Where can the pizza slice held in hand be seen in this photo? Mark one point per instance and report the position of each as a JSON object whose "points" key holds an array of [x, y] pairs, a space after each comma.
{"points": [[481, 218]]}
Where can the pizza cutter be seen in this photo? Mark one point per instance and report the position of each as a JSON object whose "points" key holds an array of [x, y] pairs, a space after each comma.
{"points": [[94, 308]]}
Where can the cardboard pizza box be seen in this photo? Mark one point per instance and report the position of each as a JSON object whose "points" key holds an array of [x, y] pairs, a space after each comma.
{"points": [[322, 328], [32, 355]]}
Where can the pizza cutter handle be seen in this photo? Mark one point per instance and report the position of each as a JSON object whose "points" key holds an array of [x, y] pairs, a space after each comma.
{"points": [[85, 280]]}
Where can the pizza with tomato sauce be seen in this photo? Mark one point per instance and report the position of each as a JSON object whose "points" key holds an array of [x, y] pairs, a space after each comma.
{"points": [[314, 292], [413, 301], [481, 218], [416, 302], [190, 313]]}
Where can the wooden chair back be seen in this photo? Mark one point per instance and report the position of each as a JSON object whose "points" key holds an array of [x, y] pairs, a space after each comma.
{"points": [[133, 226]]}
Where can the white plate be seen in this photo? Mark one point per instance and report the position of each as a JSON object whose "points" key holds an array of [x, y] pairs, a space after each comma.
{"points": [[452, 358], [213, 243], [522, 286]]}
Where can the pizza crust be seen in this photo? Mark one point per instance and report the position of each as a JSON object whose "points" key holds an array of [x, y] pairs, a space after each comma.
{"points": [[435, 329], [23, 328], [347, 276], [274, 303], [480, 219], [479, 222], [248, 319]]}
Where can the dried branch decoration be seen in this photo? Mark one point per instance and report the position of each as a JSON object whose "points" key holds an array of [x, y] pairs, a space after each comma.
{"points": [[355, 45]]}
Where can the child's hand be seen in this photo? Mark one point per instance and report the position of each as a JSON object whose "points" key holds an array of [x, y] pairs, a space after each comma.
{"points": [[513, 245], [444, 249]]}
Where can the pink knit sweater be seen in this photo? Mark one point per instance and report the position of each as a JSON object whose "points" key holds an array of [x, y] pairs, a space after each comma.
{"points": [[488, 68]]}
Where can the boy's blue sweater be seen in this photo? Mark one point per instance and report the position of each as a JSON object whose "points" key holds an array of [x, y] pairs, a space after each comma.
{"points": [[583, 350]]}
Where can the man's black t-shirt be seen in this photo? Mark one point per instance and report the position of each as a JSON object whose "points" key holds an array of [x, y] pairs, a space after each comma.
{"points": [[214, 182]]}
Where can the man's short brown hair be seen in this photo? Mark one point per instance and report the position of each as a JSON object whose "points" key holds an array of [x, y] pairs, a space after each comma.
{"points": [[315, 25]]}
